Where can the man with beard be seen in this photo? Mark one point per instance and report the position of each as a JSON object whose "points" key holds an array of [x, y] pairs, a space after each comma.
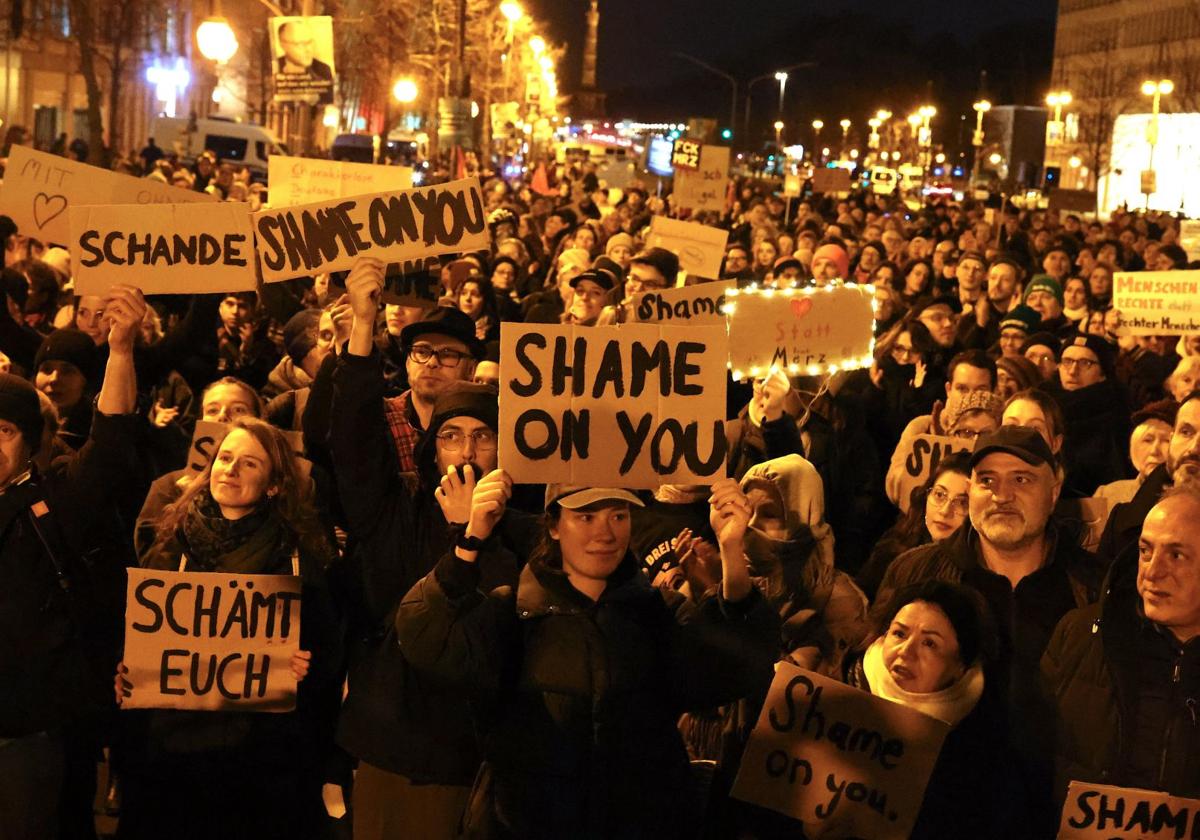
{"points": [[1011, 552]]}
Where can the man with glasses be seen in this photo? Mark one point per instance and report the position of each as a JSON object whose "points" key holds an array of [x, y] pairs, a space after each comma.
{"points": [[411, 735]]}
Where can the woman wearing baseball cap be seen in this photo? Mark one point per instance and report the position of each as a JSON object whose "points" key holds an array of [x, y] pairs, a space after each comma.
{"points": [[586, 667]]}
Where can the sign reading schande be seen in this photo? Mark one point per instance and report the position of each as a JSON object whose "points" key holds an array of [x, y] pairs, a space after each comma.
{"points": [[638, 405], [211, 640], [1157, 302], [390, 226]]}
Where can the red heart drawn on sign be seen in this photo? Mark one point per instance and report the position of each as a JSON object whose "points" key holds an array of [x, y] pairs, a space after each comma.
{"points": [[801, 306], [47, 208]]}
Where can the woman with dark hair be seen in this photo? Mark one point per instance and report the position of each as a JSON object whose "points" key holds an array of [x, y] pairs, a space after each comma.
{"points": [[933, 646], [584, 669], [239, 774], [901, 372], [936, 510], [477, 300], [916, 280], [43, 301]]}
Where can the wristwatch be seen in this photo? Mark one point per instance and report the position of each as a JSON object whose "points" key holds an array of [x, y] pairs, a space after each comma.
{"points": [[469, 543]]}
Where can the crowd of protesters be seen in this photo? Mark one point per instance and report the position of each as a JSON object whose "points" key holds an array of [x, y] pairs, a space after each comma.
{"points": [[493, 660]]}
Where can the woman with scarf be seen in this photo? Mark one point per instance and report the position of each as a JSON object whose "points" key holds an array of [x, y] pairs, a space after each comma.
{"points": [[202, 774]]}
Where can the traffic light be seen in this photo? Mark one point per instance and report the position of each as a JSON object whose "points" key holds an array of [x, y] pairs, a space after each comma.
{"points": [[726, 133]]}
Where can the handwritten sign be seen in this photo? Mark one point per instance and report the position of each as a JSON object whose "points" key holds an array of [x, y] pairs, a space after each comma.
{"points": [[632, 406], [840, 760], [209, 641], [702, 304], [390, 226], [296, 180], [40, 188], [700, 248], [685, 154], [805, 331], [826, 180], [1103, 812], [413, 283], [921, 460], [1157, 302], [171, 250], [704, 189]]}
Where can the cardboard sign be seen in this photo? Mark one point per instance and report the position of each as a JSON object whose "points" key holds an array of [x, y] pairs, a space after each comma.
{"points": [[1189, 238], [390, 226], [699, 305], [792, 185], [302, 59], [805, 331], [700, 248], [632, 406], [840, 760], [1157, 302], [921, 460], [1073, 201], [704, 189], [826, 180], [207, 439], [685, 155], [40, 188], [296, 180], [209, 641], [1103, 812], [171, 250], [413, 283]]}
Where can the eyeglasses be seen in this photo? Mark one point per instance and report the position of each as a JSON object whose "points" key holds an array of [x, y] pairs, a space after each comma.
{"points": [[452, 440], [902, 352], [8, 431], [967, 434], [939, 498], [1082, 364], [422, 353]]}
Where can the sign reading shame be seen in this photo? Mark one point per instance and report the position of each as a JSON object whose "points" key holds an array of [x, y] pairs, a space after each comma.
{"points": [[700, 248], [1157, 302], [699, 305], [803, 331], [39, 188], [704, 187], [921, 460], [176, 249], [840, 760], [391, 226], [296, 180], [1101, 812], [632, 406], [209, 640]]}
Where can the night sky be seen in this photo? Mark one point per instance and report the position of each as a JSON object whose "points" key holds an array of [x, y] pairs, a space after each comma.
{"points": [[931, 49]]}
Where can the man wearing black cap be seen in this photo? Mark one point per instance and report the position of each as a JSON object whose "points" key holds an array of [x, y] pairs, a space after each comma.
{"points": [[1012, 553], [591, 291], [56, 613], [412, 734], [440, 350]]}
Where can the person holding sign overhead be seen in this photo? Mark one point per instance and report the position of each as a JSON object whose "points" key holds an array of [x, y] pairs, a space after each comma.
{"points": [[583, 668], [234, 773], [61, 560]]}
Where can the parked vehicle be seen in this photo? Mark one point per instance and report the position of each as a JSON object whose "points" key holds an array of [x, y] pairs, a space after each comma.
{"points": [[244, 144]]}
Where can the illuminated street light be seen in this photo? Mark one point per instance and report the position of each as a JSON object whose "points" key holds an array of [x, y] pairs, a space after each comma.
{"points": [[512, 11], [547, 64], [405, 90], [782, 78], [818, 125], [1157, 90], [994, 158], [1075, 162], [216, 40], [537, 44]]}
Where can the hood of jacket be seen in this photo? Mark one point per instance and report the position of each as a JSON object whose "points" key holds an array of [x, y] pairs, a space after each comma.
{"points": [[797, 486], [288, 376]]}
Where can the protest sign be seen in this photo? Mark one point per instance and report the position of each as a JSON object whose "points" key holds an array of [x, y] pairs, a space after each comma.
{"points": [[921, 459], [1189, 238], [840, 760], [1157, 302], [632, 406], [207, 438], [296, 180], [700, 248], [805, 331], [209, 641], [826, 180], [390, 226], [685, 155], [171, 250], [413, 283], [704, 188], [40, 188], [1104, 812], [302, 51], [1072, 201], [699, 305]]}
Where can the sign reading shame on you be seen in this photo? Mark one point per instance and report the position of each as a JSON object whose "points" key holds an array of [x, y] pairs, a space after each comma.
{"points": [[632, 406], [844, 762], [176, 249], [208, 641], [390, 226], [1104, 812]]}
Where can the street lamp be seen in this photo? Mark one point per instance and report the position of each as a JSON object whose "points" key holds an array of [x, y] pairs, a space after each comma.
{"points": [[778, 133], [782, 78], [537, 45], [512, 11], [817, 126], [216, 39], [1157, 90], [981, 107], [405, 90], [845, 124], [1058, 99]]}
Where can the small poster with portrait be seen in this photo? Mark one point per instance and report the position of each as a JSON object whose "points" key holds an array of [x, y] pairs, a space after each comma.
{"points": [[302, 53]]}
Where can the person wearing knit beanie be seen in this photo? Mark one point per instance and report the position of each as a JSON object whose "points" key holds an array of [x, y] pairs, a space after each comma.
{"points": [[975, 413], [300, 334], [20, 409], [1044, 294], [1015, 374], [1015, 327], [472, 410], [830, 262], [1086, 360], [620, 248], [66, 367]]}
